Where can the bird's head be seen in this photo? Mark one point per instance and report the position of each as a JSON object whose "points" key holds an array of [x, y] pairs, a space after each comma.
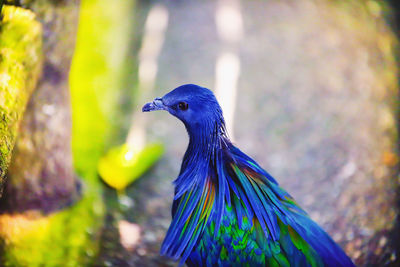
{"points": [[194, 105]]}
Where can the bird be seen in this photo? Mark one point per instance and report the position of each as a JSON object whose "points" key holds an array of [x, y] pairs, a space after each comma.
{"points": [[227, 210]]}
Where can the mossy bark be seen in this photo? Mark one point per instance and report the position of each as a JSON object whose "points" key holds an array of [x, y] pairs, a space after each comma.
{"points": [[20, 65], [34, 229], [41, 166], [65, 238], [41, 174]]}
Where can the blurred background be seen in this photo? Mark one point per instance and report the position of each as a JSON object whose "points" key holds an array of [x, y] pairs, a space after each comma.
{"points": [[309, 89]]}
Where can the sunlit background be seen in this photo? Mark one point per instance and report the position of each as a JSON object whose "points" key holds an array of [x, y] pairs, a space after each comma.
{"points": [[309, 89]]}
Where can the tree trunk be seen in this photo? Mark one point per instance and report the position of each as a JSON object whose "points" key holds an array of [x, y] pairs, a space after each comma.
{"points": [[20, 65], [41, 175], [41, 178]]}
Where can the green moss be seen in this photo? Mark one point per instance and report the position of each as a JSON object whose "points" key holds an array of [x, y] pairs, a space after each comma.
{"points": [[65, 238], [20, 65]]}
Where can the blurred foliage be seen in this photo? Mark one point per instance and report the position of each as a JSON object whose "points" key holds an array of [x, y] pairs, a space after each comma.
{"points": [[121, 165], [20, 64], [97, 79]]}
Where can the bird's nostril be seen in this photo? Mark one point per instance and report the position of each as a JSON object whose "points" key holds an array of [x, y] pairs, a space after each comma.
{"points": [[158, 101]]}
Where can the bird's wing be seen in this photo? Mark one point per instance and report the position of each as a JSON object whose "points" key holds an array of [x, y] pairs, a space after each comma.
{"points": [[276, 217]]}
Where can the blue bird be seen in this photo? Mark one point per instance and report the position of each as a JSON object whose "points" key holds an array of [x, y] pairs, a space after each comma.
{"points": [[227, 210]]}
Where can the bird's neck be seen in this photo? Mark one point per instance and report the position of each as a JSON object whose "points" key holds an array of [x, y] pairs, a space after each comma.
{"points": [[204, 149], [205, 141]]}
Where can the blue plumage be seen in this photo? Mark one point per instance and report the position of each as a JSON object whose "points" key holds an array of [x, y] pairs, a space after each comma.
{"points": [[227, 210]]}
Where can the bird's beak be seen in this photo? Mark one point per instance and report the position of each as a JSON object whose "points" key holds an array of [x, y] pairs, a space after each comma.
{"points": [[157, 104]]}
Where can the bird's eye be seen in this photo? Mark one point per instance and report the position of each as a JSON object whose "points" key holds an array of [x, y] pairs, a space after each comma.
{"points": [[183, 105]]}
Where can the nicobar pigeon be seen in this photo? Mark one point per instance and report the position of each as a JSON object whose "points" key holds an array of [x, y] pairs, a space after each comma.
{"points": [[227, 210]]}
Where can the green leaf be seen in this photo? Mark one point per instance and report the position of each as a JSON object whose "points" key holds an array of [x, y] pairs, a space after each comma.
{"points": [[122, 165]]}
